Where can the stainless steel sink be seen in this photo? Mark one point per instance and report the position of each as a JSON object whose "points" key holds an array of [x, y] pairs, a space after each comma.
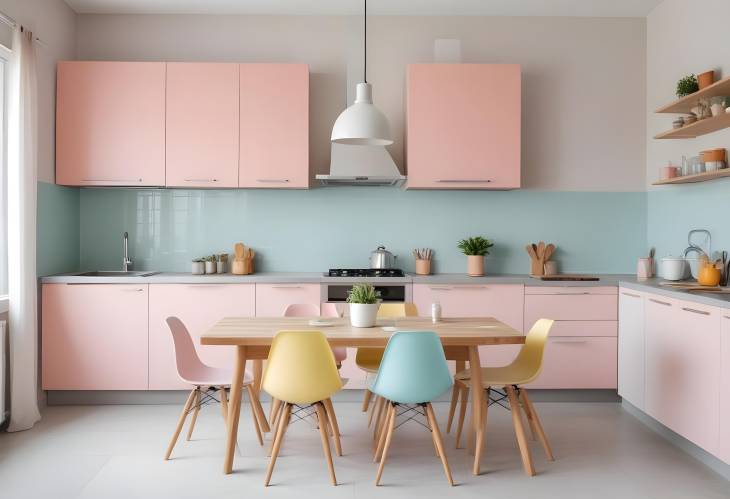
{"points": [[118, 273]]}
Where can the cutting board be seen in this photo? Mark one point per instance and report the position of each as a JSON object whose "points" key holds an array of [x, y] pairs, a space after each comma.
{"points": [[566, 277]]}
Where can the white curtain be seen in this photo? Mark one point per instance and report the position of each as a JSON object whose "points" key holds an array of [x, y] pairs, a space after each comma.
{"points": [[22, 175]]}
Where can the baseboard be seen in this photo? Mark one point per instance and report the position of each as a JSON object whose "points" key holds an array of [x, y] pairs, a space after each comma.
{"points": [[693, 450], [156, 397]]}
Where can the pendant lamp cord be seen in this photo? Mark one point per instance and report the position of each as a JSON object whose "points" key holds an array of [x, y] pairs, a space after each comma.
{"points": [[365, 44]]}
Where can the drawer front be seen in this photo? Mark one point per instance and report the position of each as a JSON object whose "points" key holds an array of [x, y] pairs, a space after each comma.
{"points": [[581, 328], [503, 301], [272, 299], [571, 307], [571, 290]]}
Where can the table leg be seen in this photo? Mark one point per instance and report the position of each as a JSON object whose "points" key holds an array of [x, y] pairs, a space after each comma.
{"points": [[234, 407], [258, 373], [477, 409]]}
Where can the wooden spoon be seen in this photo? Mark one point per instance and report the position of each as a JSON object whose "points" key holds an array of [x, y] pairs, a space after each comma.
{"points": [[549, 250], [531, 251], [541, 250], [239, 249]]}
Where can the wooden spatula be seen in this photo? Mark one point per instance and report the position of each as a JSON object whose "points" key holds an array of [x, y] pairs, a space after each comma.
{"points": [[549, 250]]}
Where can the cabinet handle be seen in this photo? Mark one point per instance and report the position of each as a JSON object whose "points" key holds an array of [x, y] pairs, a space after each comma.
{"points": [[630, 294], [569, 340], [111, 180], [272, 180], [201, 180], [439, 288], [200, 286], [286, 287], [463, 181], [574, 294], [470, 287], [135, 290], [695, 311], [660, 302]]}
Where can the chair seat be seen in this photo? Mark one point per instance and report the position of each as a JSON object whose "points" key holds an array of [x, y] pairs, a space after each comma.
{"points": [[499, 376], [370, 367], [214, 376]]}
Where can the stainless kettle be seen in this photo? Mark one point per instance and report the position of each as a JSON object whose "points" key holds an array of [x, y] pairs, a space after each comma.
{"points": [[381, 258]]}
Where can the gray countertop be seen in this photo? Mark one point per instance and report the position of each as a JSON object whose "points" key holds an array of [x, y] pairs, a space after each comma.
{"points": [[653, 286]]}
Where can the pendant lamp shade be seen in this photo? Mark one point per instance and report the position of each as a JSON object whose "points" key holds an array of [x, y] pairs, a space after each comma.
{"points": [[362, 123]]}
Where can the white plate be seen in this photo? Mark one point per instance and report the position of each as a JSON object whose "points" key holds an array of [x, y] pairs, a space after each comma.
{"points": [[390, 329], [320, 323]]}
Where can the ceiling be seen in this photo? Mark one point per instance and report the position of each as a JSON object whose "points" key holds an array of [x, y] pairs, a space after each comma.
{"points": [[575, 8]]}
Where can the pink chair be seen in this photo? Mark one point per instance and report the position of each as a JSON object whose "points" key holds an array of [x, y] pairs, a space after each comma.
{"points": [[310, 310], [206, 381]]}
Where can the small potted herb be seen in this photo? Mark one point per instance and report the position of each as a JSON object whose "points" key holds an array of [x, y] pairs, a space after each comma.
{"points": [[210, 264], [198, 266], [687, 85], [475, 249], [222, 259], [363, 300]]}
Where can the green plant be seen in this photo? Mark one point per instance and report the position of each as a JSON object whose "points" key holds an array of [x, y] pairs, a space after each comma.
{"points": [[475, 246], [687, 85], [210, 258], [198, 260], [362, 293]]}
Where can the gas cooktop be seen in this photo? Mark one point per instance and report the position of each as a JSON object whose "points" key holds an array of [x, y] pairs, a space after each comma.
{"points": [[365, 273]]}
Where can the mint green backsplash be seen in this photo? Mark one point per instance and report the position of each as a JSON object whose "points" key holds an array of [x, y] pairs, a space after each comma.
{"points": [[338, 227], [675, 210], [58, 239]]}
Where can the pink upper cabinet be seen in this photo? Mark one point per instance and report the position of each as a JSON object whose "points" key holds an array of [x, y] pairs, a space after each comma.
{"points": [[274, 139], [110, 123], [202, 125], [463, 126]]}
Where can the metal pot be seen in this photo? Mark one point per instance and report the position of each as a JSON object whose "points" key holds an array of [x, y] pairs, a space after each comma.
{"points": [[381, 258]]}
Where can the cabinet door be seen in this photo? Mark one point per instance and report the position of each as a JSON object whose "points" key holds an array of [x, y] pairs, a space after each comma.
{"points": [[272, 299], [569, 305], [631, 347], [725, 390], [198, 306], [274, 136], [110, 123], [94, 336], [683, 368], [202, 125], [463, 126]]}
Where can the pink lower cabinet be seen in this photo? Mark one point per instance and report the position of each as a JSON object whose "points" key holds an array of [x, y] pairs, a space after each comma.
{"points": [[683, 368], [272, 299], [199, 306], [725, 389], [94, 336]]}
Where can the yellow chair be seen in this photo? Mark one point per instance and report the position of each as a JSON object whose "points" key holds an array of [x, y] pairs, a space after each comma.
{"points": [[525, 368], [301, 371], [368, 359]]}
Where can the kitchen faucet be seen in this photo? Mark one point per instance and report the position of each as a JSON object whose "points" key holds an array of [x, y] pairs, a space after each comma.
{"points": [[126, 262]]}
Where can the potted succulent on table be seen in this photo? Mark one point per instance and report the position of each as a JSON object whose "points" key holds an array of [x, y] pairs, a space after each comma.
{"points": [[210, 264], [475, 249], [198, 266], [363, 300]]}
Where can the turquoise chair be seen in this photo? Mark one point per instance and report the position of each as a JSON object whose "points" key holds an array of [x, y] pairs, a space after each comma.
{"points": [[413, 372]]}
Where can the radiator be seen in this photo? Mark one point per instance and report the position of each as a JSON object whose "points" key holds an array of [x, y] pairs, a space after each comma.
{"points": [[3, 368]]}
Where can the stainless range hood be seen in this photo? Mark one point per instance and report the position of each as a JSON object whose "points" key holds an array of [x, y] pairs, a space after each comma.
{"points": [[361, 165]]}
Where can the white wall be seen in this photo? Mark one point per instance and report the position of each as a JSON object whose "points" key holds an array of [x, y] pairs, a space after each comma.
{"points": [[583, 78], [55, 24]]}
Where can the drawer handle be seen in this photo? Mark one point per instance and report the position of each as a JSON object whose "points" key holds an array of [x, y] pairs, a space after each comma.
{"points": [[135, 290], [439, 288], [660, 302], [464, 180], [203, 286], [574, 293], [470, 287], [201, 180], [286, 287], [272, 180], [111, 180], [695, 311], [630, 294], [570, 340]]}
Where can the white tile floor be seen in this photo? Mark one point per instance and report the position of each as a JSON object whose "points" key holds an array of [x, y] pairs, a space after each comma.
{"points": [[101, 452]]}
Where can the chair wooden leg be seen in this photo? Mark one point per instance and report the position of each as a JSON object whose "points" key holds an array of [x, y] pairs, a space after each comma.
{"points": [[462, 414], [390, 414], [330, 409], [254, 417], [253, 398], [366, 400], [532, 416], [373, 410], [180, 423], [322, 416], [380, 419], [388, 438], [428, 425], [273, 408], [195, 413], [280, 430], [436, 433], [276, 421], [452, 407], [520, 431], [224, 403]]}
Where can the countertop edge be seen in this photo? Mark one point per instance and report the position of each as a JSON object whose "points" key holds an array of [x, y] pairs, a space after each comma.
{"points": [[652, 286]]}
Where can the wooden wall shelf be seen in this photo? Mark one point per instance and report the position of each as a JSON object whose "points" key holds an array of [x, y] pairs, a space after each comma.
{"points": [[701, 127], [691, 179], [720, 88]]}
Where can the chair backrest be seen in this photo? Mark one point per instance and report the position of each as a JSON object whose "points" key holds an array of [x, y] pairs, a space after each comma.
{"points": [[397, 310], [301, 368], [413, 369], [301, 310], [528, 362], [189, 365], [329, 309]]}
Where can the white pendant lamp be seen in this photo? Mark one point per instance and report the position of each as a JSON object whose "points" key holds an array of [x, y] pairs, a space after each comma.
{"points": [[362, 123]]}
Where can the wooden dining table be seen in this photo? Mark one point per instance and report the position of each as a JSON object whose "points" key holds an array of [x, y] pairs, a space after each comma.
{"points": [[461, 338]]}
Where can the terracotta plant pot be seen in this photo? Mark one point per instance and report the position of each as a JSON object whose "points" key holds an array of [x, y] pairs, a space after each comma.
{"points": [[706, 79], [423, 267], [475, 265]]}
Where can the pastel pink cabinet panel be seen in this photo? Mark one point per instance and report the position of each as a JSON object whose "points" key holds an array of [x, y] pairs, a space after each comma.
{"points": [[110, 123], [571, 305], [725, 390], [272, 299], [631, 350], [274, 139], [94, 336], [202, 124], [463, 126], [199, 306], [579, 328], [503, 301], [683, 368]]}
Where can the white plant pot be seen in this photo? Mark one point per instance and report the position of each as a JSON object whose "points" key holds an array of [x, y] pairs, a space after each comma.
{"points": [[210, 267], [198, 268], [363, 315]]}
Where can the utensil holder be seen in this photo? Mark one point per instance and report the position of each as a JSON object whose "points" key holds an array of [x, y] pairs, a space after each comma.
{"points": [[423, 267], [551, 267]]}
